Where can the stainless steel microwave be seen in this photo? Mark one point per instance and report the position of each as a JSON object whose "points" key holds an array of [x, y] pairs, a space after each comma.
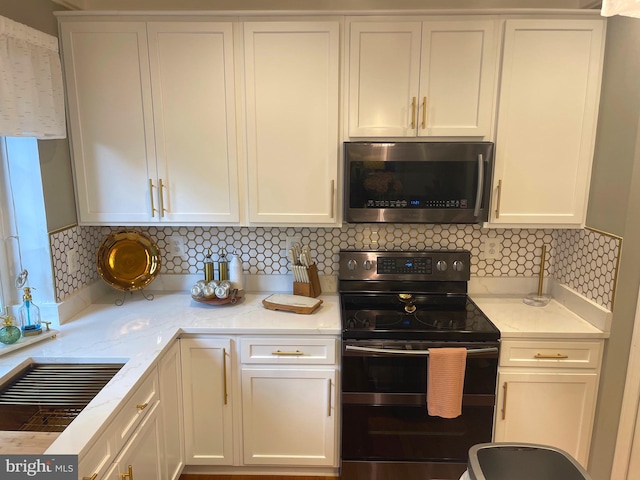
{"points": [[417, 182]]}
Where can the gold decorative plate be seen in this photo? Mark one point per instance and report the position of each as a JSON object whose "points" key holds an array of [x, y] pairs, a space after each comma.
{"points": [[128, 260]]}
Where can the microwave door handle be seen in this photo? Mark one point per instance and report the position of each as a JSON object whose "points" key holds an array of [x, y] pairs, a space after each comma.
{"points": [[355, 348], [476, 209]]}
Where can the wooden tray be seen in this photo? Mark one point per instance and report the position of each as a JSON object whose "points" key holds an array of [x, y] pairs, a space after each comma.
{"points": [[232, 299], [291, 303]]}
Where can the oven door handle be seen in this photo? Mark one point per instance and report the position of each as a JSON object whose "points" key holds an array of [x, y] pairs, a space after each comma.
{"points": [[470, 351]]}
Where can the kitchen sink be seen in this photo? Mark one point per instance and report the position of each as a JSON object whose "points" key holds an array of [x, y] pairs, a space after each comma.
{"points": [[46, 397]]}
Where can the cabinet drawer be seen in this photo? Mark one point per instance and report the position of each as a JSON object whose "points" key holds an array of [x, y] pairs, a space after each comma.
{"points": [[293, 351], [136, 408], [98, 458], [552, 354]]}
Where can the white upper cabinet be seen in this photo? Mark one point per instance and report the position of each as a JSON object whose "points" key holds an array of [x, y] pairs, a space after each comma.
{"points": [[110, 118], [193, 89], [292, 97], [424, 79], [152, 120], [549, 96]]}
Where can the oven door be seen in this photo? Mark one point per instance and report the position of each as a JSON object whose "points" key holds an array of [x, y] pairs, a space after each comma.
{"points": [[384, 409]]}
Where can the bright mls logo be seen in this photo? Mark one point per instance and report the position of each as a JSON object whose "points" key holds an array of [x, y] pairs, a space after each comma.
{"points": [[50, 467]]}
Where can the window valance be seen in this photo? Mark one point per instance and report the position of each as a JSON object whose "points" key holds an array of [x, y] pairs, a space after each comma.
{"points": [[31, 89], [629, 8]]}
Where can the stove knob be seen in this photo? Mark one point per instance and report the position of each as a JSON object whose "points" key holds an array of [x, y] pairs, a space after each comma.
{"points": [[458, 266], [441, 266], [352, 264], [368, 264]]}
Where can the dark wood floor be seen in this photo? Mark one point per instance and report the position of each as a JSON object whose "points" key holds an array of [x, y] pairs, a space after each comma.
{"points": [[193, 476]]}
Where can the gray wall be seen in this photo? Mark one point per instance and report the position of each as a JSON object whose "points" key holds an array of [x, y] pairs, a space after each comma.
{"points": [[55, 159], [614, 206]]}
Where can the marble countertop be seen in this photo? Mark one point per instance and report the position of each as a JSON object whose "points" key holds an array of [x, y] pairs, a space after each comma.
{"points": [[137, 333], [515, 319]]}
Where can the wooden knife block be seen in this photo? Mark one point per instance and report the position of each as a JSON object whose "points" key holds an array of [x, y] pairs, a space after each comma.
{"points": [[311, 289]]}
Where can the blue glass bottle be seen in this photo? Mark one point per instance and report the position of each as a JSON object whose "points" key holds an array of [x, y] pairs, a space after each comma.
{"points": [[29, 314]]}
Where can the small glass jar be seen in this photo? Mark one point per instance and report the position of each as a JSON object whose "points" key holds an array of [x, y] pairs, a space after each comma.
{"points": [[9, 333]]}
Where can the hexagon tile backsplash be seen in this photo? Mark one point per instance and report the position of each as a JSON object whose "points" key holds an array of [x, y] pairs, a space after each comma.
{"points": [[582, 259]]}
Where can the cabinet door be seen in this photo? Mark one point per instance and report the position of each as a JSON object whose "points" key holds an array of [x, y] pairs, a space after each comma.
{"points": [[292, 78], [194, 116], [384, 75], [110, 118], [554, 409], [143, 453], [289, 416], [170, 386], [457, 76], [206, 373], [549, 97]]}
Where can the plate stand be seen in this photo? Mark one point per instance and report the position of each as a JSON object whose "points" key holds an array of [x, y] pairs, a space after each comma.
{"points": [[120, 301]]}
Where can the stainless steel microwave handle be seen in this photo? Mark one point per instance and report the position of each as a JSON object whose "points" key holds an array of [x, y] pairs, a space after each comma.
{"points": [[355, 348], [476, 209]]}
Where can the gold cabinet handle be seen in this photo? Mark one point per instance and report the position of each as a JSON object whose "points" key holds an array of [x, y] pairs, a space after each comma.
{"points": [[224, 374], [424, 112], [557, 356], [142, 406], [92, 477], [331, 199], [153, 208], [161, 197], [329, 397], [291, 354], [504, 401], [128, 475], [413, 112], [499, 197]]}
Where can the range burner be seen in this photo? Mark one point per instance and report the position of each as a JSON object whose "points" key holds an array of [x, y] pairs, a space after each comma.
{"points": [[422, 324], [383, 298]]}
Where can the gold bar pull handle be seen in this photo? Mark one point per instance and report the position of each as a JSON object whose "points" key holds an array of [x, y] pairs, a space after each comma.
{"points": [[504, 401], [224, 374], [557, 356], [413, 112], [161, 197], [332, 199], [142, 406], [424, 112], [290, 354], [128, 475], [498, 199], [153, 208], [329, 397], [92, 477]]}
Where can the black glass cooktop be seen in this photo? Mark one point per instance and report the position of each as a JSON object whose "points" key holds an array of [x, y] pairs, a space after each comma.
{"points": [[414, 317]]}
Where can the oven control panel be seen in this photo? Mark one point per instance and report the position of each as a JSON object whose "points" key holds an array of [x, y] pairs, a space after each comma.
{"points": [[424, 265]]}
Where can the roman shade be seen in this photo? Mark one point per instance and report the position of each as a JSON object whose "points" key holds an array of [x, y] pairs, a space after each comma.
{"points": [[31, 91]]}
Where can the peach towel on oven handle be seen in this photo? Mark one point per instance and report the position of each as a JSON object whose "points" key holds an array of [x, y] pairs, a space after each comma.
{"points": [[445, 381]]}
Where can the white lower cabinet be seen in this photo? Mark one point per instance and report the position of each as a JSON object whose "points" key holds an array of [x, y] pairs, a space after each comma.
{"points": [[206, 376], [275, 400], [134, 438], [550, 399], [289, 401], [289, 416], [170, 387], [143, 455]]}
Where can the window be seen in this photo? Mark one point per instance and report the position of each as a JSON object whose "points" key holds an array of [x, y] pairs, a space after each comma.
{"points": [[23, 225]]}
